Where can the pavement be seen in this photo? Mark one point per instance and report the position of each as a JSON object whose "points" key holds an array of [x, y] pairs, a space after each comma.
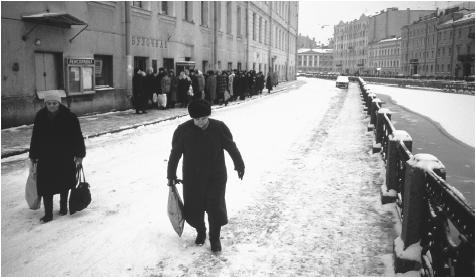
{"points": [[16, 140]]}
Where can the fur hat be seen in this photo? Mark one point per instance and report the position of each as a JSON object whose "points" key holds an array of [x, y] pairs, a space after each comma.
{"points": [[199, 108], [52, 96]]}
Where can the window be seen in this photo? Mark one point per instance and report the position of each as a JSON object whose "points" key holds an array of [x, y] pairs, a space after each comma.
{"points": [[230, 66], [238, 21], [164, 7], [265, 32], [254, 26], [80, 76], [219, 65], [260, 30], [188, 11], [238, 65], [137, 4], [228, 17], [254, 66], [168, 64], [204, 13], [103, 70], [48, 71]]}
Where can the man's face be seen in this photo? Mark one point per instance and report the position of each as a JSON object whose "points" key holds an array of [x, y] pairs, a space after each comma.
{"points": [[52, 106], [201, 122]]}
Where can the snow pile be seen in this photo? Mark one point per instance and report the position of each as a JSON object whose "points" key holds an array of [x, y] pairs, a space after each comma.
{"points": [[412, 253]]}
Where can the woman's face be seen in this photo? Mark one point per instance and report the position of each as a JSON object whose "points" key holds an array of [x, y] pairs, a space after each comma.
{"points": [[52, 106]]}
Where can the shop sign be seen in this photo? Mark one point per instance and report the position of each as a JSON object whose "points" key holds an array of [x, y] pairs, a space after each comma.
{"points": [[140, 41], [83, 61]]}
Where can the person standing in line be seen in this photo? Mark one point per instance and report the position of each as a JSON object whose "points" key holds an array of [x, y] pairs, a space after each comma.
{"points": [[138, 93], [172, 98], [269, 83], [165, 84], [183, 88], [260, 82], [150, 86], [201, 142], [57, 147], [201, 85], [231, 78], [221, 87], [211, 84]]}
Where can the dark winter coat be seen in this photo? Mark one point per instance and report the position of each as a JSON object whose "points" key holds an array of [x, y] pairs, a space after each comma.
{"points": [[211, 88], [150, 86], [138, 93], [203, 169], [260, 82], [173, 89], [54, 143], [269, 82], [222, 85], [183, 86]]}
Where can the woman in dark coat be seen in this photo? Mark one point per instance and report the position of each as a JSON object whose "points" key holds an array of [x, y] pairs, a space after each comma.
{"points": [[57, 146], [184, 83], [211, 87], [269, 83], [201, 141], [138, 92], [172, 98]]}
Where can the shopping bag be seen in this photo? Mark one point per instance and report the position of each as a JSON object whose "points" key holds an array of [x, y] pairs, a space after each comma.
{"points": [[190, 90], [175, 210], [80, 196], [226, 95], [162, 100], [31, 191], [154, 97]]}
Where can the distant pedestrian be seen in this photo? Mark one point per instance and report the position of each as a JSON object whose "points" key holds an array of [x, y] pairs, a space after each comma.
{"points": [[139, 98], [211, 87], [269, 83], [165, 85], [222, 84], [201, 142], [184, 84], [57, 147], [201, 85]]}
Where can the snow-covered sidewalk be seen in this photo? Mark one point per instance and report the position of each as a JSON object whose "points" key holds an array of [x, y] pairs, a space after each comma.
{"points": [[308, 205]]}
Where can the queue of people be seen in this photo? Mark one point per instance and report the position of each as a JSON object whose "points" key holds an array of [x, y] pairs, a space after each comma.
{"points": [[165, 89]]}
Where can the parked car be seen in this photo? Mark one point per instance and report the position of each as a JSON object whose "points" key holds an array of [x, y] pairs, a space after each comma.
{"points": [[342, 82]]}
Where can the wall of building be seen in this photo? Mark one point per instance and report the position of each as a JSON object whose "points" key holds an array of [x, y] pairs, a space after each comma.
{"points": [[155, 35]]}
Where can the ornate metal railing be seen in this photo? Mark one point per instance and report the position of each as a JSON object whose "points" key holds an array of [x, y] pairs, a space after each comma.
{"points": [[432, 212]]}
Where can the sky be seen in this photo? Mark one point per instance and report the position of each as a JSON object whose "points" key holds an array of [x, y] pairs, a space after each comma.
{"points": [[317, 18]]}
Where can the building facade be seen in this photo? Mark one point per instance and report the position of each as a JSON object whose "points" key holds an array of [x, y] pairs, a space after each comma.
{"points": [[440, 45], [384, 57], [88, 50], [315, 60], [352, 39]]}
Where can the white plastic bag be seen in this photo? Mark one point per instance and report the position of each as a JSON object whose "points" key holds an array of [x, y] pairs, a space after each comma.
{"points": [[162, 100], [190, 91], [154, 97], [31, 191], [175, 210]]}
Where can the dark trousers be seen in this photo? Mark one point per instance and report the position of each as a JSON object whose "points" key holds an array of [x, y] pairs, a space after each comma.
{"points": [[48, 202], [215, 228]]}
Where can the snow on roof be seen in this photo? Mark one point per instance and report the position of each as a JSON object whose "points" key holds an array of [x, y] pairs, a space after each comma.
{"points": [[390, 39], [469, 16], [315, 50]]}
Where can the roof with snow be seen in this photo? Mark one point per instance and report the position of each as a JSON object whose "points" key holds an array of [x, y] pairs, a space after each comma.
{"points": [[314, 51], [466, 17], [390, 39]]}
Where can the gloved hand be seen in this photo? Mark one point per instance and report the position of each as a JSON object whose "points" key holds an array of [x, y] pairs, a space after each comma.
{"points": [[241, 172], [171, 182], [78, 161]]}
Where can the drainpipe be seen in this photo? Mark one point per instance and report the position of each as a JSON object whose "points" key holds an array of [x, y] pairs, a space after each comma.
{"points": [[129, 60], [247, 34], [215, 36]]}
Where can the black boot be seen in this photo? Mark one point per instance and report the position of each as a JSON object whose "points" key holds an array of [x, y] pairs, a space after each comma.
{"points": [[48, 204], [201, 236], [215, 244], [63, 203]]}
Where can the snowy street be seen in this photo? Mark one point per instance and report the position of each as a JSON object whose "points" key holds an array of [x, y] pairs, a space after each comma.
{"points": [[308, 204]]}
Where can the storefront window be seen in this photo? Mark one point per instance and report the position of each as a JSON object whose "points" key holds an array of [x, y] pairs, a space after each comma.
{"points": [[74, 79], [87, 78], [103, 71]]}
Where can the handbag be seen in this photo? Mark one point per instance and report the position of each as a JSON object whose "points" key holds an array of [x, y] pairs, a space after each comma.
{"points": [[31, 191], [175, 210], [162, 100], [80, 196], [154, 97]]}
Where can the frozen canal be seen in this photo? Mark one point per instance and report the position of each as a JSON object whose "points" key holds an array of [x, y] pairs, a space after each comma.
{"points": [[308, 204]]}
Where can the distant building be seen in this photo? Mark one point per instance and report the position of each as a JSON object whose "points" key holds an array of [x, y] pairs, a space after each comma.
{"points": [[314, 60], [352, 39], [440, 45], [384, 57]]}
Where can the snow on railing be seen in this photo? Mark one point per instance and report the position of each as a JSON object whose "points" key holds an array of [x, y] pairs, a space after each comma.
{"points": [[434, 215]]}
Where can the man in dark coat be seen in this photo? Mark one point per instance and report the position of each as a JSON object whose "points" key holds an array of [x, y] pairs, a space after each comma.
{"points": [[57, 148], [222, 84], [138, 93], [201, 141]]}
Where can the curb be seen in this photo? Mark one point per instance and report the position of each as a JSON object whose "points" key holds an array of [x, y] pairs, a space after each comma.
{"points": [[25, 150]]}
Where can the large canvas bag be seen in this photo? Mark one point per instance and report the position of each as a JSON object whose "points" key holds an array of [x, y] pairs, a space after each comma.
{"points": [[80, 196], [162, 100], [31, 191], [175, 210], [154, 97]]}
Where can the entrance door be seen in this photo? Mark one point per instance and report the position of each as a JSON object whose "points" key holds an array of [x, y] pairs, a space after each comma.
{"points": [[169, 64], [46, 71], [140, 62]]}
